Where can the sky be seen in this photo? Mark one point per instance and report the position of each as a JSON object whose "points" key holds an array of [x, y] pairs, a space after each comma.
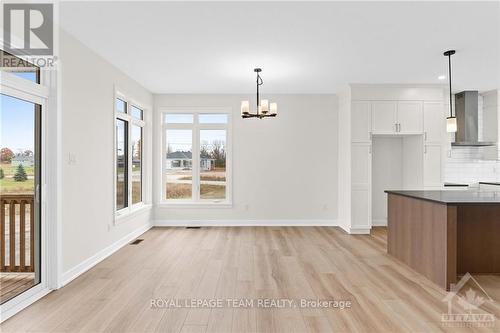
{"points": [[180, 139], [17, 124]]}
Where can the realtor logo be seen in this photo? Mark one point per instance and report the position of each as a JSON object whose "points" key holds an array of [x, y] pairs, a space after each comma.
{"points": [[28, 29], [470, 301]]}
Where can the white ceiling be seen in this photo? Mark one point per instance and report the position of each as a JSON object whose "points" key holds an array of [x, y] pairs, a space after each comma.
{"points": [[212, 47]]}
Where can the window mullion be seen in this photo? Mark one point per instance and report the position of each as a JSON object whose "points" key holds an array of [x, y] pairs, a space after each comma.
{"points": [[196, 162], [129, 164]]}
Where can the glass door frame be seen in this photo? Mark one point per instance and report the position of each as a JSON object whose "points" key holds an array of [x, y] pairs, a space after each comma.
{"points": [[38, 94]]}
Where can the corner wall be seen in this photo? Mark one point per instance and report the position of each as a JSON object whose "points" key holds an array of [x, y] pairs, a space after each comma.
{"points": [[88, 229]]}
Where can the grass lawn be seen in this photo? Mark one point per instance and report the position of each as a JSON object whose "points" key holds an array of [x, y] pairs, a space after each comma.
{"points": [[183, 191], [9, 185], [212, 191], [178, 191]]}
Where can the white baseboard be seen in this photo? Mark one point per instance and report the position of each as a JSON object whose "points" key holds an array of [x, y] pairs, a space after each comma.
{"points": [[245, 223], [379, 223], [363, 230], [84, 266], [358, 230]]}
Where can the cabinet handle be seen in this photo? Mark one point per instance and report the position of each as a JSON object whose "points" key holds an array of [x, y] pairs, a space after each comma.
{"points": [[396, 127], [425, 149], [425, 136], [399, 127]]}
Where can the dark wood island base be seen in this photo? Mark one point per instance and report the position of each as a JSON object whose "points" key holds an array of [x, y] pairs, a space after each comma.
{"points": [[443, 234]]}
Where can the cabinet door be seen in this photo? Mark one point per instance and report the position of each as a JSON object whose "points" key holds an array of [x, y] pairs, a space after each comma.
{"points": [[410, 118], [383, 117], [432, 166], [361, 162], [434, 122], [360, 121], [360, 209], [361, 174]]}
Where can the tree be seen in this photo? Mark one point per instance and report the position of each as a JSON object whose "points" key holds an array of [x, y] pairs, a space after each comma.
{"points": [[6, 155], [203, 150], [20, 175], [2, 175], [219, 153], [28, 153]]}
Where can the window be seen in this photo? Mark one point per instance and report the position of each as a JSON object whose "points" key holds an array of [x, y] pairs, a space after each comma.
{"points": [[129, 154], [19, 67], [196, 163], [136, 164], [121, 164]]}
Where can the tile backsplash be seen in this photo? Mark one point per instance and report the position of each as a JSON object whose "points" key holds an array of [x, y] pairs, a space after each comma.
{"points": [[468, 165]]}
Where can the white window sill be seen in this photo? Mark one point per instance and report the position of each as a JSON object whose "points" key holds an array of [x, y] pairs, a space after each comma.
{"points": [[222, 205], [127, 214]]}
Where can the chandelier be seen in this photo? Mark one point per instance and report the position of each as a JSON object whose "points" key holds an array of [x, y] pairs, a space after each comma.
{"points": [[264, 108]]}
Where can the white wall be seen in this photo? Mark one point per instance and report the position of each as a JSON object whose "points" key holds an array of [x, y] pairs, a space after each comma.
{"points": [[87, 134], [397, 164], [284, 168], [387, 169]]}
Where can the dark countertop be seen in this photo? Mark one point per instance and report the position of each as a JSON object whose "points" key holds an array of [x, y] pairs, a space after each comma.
{"points": [[453, 197], [456, 184], [490, 183]]}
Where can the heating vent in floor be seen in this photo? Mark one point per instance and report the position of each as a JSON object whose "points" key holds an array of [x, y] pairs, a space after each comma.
{"points": [[137, 241], [193, 227]]}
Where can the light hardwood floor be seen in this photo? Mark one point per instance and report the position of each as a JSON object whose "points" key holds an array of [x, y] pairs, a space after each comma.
{"points": [[248, 262]]}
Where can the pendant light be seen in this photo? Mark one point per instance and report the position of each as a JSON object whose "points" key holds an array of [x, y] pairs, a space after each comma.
{"points": [[264, 108], [451, 121]]}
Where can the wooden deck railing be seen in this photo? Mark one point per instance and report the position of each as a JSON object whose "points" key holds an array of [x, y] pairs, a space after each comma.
{"points": [[17, 220]]}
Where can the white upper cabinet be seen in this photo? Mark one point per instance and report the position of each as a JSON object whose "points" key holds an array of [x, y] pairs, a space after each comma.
{"points": [[361, 121], [434, 122], [384, 117], [410, 118], [397, 118]]}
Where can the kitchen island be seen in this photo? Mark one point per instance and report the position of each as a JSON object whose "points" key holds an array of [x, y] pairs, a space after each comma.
{"points": [[443, 234]]}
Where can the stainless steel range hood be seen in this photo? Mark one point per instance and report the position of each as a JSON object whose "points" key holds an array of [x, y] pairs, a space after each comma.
{"points": [[466, 110]]}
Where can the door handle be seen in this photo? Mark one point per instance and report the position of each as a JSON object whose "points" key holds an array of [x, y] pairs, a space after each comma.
{"points": [[37, 193]]}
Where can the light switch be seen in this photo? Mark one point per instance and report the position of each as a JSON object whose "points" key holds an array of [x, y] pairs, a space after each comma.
{"points": [[71, 158]]}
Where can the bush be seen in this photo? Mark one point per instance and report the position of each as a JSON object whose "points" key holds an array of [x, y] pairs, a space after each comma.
{"points": [[2, 175], [20, 175]]}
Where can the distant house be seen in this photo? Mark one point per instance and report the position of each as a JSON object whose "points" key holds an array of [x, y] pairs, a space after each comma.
{"points": [[25, 161], [184, 160]]}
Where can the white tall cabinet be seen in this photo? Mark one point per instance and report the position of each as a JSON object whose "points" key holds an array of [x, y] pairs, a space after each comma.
{"points": [[386, 111]]}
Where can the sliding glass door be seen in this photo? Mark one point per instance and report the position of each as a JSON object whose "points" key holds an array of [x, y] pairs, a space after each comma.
{"points": [[20, 179]]}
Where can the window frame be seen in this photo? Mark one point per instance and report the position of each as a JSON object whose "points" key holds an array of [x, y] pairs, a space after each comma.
{"points": [[196, 127], [131, 121]]}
